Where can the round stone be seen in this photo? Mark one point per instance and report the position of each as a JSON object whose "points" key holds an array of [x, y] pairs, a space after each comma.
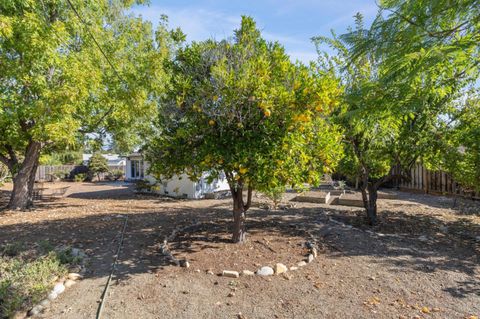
{"points": [[265, 271], [59, 288]]}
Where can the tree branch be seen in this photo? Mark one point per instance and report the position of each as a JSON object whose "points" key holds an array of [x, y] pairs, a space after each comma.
{"points": [[249, 198]]}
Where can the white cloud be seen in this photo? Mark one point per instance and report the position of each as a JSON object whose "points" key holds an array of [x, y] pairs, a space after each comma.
{"points": [[197, 24]]}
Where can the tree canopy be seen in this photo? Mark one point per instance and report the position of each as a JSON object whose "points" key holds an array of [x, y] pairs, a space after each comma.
{"points": [[392, 104], [70, 68], [241, 107]]}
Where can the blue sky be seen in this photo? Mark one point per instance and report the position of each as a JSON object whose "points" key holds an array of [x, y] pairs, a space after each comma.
{"points": [[291, 22]]}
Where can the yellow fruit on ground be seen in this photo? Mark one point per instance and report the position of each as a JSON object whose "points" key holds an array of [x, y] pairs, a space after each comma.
{"points": [[425, 310], [211, 122], [267, 113]]}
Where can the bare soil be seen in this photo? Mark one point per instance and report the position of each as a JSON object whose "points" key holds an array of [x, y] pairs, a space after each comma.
{"points": [[421, 261]]}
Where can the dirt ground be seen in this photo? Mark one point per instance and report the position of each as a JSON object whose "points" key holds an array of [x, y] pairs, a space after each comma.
{"points": [[421, 261]]}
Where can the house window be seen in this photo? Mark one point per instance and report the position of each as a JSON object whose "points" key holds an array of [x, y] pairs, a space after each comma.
{"points": [[137, 169]]}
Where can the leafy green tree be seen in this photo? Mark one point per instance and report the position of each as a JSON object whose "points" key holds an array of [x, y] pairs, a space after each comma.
{"points": [[461, 148], [97, 164], [241, 108], [389, 122], [56, 85]]}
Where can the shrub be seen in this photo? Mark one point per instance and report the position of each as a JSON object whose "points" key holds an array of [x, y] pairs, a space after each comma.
{"points": [[61, 174], [115, 174], [275, 195], [80, 177], [27, 276], [97, 165], [145, 186]]}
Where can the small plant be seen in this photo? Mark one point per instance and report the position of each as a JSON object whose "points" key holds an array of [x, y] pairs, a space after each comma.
{"points": [[340, 185], [80, 177], [97, 165], [13, 249], [67, 256], [26, 275], [115, 174], [60, 174], [25, 282], [145, 186], [45, 246], [275, 195]]}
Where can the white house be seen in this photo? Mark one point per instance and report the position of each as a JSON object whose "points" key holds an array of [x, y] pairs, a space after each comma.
{"points": [[178, 186]]}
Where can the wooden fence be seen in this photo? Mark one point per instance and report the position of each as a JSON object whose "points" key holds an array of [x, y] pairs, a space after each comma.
{"points": [[45, 172], [434, 182]]}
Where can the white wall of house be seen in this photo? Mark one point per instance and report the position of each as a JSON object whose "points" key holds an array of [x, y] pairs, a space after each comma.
{"points": [[178, 185]]}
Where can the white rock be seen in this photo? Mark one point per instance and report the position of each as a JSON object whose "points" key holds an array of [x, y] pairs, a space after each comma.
{"points": [[209, 272], [265, 271], [247, 273], [52, 295], [280, 268], [69, 283], [74, 276], [293, 268], [301, 264], [59, 288], [310, 258], [314, 252], [35, 310], [44, 302], [230, 273]]}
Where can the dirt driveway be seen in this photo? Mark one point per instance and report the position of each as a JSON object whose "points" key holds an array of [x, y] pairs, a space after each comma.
{"points": [[422, 261]]}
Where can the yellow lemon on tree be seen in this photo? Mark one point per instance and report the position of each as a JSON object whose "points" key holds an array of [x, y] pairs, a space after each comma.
{"points": [[242, 170]]}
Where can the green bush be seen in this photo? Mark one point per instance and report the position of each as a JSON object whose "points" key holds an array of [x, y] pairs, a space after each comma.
{"points": [[275, 195], [80, 177], [115, 174], [145, 186], [97, 165], [27, 276]]}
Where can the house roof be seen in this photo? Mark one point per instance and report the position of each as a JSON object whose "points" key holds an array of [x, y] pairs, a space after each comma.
{"points": [[113, 159]]}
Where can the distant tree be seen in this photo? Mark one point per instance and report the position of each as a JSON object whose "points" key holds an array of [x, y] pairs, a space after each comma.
{"points": [[97, 164], [61, 158], [241, 108], [389, 121], [56, 85], [461, 148]]}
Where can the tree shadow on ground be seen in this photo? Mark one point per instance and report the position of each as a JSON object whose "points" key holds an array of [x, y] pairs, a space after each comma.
{"points": [[99, 235]]}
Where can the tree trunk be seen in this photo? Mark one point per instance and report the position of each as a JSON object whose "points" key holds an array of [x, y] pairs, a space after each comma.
{"points": [[370, 202], [22, 194], [372, 205], [239, 231]]}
